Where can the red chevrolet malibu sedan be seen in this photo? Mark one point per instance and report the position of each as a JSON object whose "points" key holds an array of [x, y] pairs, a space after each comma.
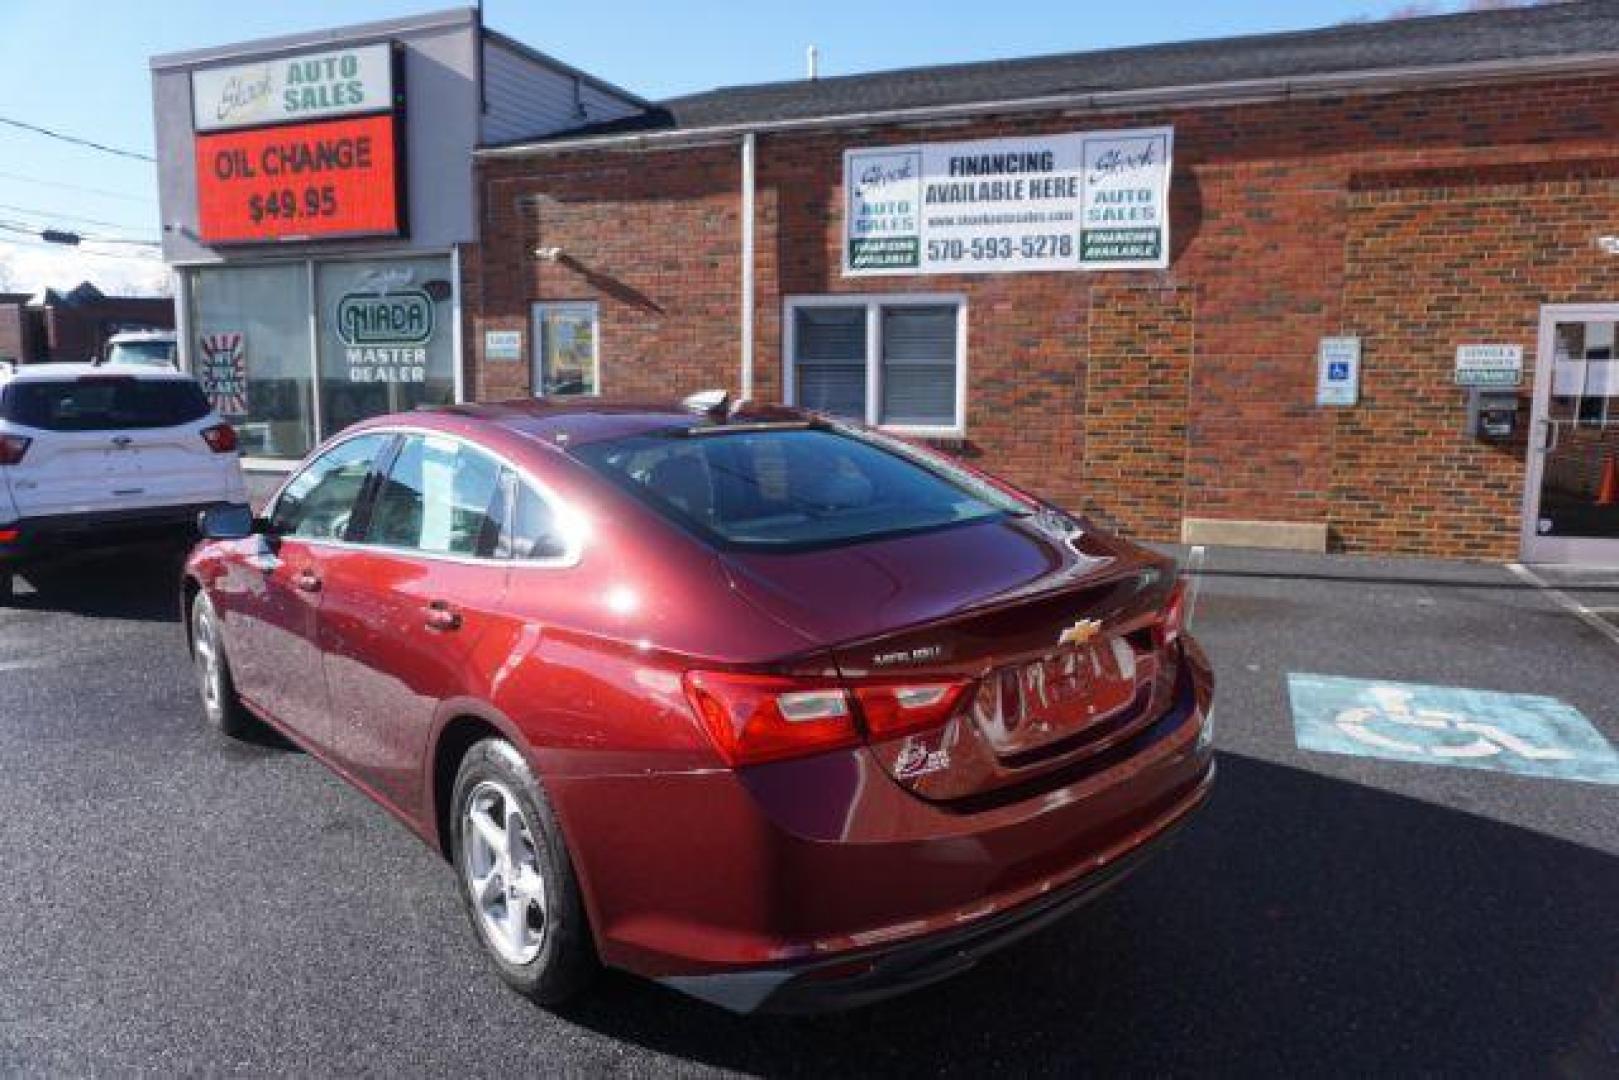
{"points": [[784, 713]]}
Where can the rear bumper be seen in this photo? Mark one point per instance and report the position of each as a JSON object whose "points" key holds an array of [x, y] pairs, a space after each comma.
{"points": [[40, 537], [818, 882], [865, 977]]}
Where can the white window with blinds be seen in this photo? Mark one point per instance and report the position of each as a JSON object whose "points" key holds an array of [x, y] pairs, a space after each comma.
{"points": [[894, 361]]}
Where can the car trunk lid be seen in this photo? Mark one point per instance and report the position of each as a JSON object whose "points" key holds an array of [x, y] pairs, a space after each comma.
{"points": [[1051, 630]]}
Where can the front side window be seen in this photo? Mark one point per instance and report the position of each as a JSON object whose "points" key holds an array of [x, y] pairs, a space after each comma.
{"points": [[439, 497], [895, 363], [788, 488], [319, 502], [565, 352]]}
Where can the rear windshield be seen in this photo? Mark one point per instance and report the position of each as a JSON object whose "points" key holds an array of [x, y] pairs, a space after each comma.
{"points": [[141, 352], [789, 488], [103, 403]]}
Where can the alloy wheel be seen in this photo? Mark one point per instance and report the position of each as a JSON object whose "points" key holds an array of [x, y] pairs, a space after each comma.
{"points": [[500, 864]]}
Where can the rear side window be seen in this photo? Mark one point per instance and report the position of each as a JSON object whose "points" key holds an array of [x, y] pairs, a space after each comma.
{"points": [[108, 403], [528, 527], [438, 497], [787, 488]]}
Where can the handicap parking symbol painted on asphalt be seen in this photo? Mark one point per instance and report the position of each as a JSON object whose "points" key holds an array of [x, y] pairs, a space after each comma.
{"points": [[1442, 725]]}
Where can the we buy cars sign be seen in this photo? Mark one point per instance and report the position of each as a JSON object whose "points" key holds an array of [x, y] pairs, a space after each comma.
{"points": [[300, 181]]}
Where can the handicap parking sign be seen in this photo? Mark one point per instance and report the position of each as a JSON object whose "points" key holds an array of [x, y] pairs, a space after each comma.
{"points": [[1440, 725], [1338, 371]]}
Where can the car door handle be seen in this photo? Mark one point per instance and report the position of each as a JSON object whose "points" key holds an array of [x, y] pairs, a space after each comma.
{"points": [[441, 616], [306, 581]]}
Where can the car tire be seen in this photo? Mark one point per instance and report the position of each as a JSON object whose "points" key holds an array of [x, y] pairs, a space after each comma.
{"points": [[220, 703], [515, 876], [8, 586]]}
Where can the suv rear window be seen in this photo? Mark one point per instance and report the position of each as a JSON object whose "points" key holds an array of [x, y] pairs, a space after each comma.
{"points": [[782, 489], [107, 403]]}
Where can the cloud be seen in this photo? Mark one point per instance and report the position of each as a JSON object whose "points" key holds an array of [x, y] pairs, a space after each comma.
{"points": [[25, 268]]}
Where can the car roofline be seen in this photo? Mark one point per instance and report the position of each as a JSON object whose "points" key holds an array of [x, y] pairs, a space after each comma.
{"points": [[47, 372]]}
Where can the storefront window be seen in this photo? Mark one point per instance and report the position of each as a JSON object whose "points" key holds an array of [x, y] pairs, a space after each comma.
{"points": [[250, 351], [565, 355], [387, 337]]}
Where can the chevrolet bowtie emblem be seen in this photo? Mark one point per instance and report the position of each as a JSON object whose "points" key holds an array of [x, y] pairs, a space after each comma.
{"points": [[1079, 633]]}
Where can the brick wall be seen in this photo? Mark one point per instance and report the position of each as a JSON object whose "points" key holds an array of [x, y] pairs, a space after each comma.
{"points": [[1419, 221], [652, 238], [1136, 384], [13, 327]]}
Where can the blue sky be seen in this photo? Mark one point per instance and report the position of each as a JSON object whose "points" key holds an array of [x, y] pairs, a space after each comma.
{"points": [[80, 66]]}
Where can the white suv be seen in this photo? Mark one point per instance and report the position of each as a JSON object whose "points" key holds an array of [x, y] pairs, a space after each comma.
{"points": [[91, 454]]}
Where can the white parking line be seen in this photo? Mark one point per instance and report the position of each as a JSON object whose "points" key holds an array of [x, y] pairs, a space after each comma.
{"points": [[1557, 596], [30, 665]]}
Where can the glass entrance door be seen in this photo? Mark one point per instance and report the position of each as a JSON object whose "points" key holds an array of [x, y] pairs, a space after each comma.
{"points": [[1573, 503]]}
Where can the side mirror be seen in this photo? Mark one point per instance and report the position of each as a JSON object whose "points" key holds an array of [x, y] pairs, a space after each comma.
{"points": [[226, 523]]}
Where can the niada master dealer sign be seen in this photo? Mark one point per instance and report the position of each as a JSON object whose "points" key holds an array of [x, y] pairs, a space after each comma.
{"points": [[385, 335], [1080, 201]]}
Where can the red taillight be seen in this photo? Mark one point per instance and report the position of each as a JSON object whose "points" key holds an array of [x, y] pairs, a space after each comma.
{"points": [[757, 718], [1172, 620], [900, 710], [221, 438], [12, 449], [9, 536]]}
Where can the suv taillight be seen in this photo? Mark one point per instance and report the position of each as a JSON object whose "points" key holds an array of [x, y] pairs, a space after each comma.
{"points": [[12, 449], [757, 718], [221, 438]]}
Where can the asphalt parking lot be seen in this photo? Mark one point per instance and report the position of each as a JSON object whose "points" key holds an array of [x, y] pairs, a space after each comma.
{"points": [[172, 902]]}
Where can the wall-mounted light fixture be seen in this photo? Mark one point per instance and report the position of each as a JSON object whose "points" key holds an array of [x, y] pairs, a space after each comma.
{"points": [[548, 254]]}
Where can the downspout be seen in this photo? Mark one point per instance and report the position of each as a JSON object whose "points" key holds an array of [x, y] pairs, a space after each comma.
{"points": [[748, 151]]}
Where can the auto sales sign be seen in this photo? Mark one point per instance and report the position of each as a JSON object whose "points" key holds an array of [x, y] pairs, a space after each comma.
{"points": [[300, 148], [291, 89], [1079, 201]]}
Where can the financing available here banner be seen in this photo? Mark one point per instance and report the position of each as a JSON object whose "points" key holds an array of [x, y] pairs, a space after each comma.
{"points": [[1078, 201]]}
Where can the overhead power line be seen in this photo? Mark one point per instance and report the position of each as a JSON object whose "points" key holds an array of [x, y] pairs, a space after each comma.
{"points": [[57, 214], [126, 196], [75, 140], [65, 236], [123, 257]]}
